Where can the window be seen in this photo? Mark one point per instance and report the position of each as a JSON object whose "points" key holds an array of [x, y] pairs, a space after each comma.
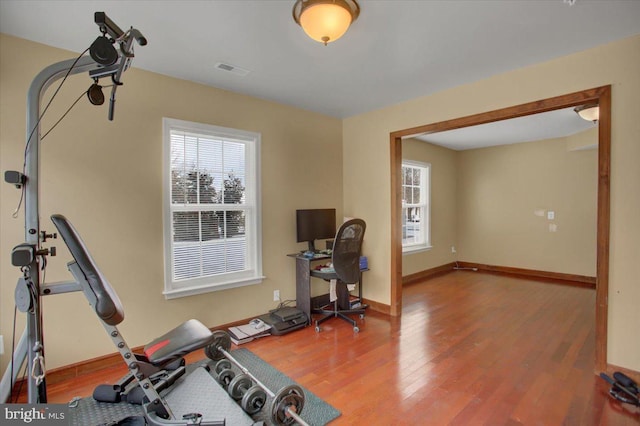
{"points": [[415, 206], [212, 234]]}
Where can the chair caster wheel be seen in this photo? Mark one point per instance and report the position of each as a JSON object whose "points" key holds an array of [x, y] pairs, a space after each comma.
{"points": [[317, 329], [361, 316], [356, 329]]}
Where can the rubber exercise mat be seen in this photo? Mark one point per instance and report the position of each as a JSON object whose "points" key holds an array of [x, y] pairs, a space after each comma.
{"points": [[316, 412], [87, 411]]}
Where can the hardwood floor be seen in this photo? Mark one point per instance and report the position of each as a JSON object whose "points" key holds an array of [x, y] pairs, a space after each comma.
{"points": [[470, 349]]}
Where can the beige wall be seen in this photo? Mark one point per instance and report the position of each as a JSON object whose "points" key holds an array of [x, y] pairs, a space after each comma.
{"points": [[443, 205], [587, 139], [367, 154], [504, 194], [106, 177]]}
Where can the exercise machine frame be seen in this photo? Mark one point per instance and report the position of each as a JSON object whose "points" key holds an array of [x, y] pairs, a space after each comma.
{"points": [[29, 255]]}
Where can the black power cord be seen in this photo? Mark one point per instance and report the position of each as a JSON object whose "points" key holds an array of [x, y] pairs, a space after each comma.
{"points": [[35, 127]]}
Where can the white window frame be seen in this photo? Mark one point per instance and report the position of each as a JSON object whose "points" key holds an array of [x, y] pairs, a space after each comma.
{"points": [[425, 195], [252, 274]]}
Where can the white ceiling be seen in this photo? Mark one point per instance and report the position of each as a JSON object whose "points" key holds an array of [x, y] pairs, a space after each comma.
{"points": [[546, 125], [396, 50]]}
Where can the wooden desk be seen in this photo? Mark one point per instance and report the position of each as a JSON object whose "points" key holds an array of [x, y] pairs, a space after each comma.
{"points": [[304, 272], [303, 281]]}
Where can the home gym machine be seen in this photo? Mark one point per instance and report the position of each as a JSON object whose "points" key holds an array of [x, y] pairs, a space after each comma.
{"points": [[104, 60], [179, 397]]}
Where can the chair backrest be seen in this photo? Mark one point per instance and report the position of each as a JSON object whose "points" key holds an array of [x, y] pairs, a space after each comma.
{"points": [[107, 304], [347, 248]]}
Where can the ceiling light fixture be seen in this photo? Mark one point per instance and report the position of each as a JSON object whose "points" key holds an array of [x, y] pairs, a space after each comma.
{"points": [[325, 20], [589, 112]]}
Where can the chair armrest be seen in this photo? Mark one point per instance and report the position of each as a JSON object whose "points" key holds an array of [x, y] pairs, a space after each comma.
{"points": [[324, 275]]}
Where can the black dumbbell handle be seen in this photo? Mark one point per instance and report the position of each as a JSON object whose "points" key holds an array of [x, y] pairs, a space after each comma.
{"points": [[625, 381], [618, 385]]}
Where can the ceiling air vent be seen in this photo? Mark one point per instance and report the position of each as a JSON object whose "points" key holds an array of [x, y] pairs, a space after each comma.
{"points": [[232, 69]]}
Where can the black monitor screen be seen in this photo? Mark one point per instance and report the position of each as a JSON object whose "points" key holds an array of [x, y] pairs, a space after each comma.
{"points": [[315, 224]]}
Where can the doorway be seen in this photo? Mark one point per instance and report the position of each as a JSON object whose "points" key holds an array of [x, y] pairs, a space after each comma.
{"points": [[599, 95]]}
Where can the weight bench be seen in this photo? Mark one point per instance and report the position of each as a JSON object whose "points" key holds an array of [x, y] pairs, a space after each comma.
{"points": [[195, 398]]}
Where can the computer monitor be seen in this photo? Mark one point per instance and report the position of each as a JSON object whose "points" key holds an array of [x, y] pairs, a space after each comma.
{"points": [[315, 224]]}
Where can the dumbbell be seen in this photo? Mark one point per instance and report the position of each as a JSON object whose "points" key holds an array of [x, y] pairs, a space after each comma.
{"points": [[223, 364], [287, 404], [252, 397], [225, 377], [223, 373]]}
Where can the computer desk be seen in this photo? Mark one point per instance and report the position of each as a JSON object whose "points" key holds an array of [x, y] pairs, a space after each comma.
{"points": [[304, 272]]}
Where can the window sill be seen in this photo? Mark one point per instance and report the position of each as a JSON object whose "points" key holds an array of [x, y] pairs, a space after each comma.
{"points": [[415, 249], [201, 289]]}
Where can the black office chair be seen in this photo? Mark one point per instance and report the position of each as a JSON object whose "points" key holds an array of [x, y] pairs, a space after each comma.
{"points": [[347, 248]]}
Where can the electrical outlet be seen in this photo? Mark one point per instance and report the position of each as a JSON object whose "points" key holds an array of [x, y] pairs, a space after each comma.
{"points": [[276, 295], [453, 249], [1, 344]]}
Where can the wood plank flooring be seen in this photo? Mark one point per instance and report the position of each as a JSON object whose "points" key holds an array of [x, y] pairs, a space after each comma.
{"points": [[470, 349]]}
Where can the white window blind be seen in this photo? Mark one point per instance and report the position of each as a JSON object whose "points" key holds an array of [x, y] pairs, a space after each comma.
{"points": [[415, 206], [212, 209]]}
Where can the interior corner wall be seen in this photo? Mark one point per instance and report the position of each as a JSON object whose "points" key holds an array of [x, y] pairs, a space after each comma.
{"points": [[504, 195], [106, 177], [367, 178], [442, 205]]}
